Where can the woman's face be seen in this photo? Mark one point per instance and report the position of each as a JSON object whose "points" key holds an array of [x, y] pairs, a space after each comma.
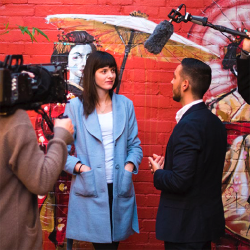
{"points": [[105, 78], [77, 61]]}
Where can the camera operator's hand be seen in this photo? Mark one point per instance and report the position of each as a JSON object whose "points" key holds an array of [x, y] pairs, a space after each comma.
{"points": [[246, 43], [65, 123], [29, 73]]}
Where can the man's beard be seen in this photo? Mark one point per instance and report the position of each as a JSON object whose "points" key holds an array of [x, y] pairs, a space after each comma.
{"points": [[177, 94]]}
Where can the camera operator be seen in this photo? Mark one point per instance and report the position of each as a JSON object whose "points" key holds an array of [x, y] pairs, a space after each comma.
{"points": [[26, 172], [243, 68]]}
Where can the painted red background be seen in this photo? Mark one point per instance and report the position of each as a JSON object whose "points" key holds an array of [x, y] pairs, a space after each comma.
{"points": [[146, 82]]}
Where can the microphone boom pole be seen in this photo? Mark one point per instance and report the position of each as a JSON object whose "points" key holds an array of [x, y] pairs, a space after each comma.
{"points": [[227, 30], [177, 17]]}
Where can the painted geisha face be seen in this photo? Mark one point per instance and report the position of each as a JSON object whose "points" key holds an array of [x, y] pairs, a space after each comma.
{"points": [[77, 61]]}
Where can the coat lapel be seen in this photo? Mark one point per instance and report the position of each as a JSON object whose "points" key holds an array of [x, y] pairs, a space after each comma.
{"points": [[119, 120], [119, 116], [93, 126]]}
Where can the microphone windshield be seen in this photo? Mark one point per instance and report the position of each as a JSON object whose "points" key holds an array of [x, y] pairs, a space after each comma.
{"points": [[161, 34]]}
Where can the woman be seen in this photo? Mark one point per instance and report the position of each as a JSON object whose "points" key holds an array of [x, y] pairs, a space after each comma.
{"points": [[102, 206]]}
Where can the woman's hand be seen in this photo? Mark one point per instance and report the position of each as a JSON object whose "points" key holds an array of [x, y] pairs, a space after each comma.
{"points": [[84, 168], [129, 167]]}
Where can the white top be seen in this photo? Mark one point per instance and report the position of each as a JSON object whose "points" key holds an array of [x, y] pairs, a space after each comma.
{"points": [[106, 123], [184, 109]]}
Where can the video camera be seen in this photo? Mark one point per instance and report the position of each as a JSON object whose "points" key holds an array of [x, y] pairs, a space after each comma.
{"points": [[30, 86]]}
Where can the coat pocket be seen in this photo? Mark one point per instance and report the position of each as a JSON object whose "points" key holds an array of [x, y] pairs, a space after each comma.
{"points": [[126, 185], [85, 184]]}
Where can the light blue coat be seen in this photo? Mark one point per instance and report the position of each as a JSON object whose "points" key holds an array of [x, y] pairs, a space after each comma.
{"points": [[88, 211]]}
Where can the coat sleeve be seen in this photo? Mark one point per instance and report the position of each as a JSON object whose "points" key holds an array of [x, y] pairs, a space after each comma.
{"points": [[37, 172], [186, 147], [133, 142], [71, 160], [243, 78]]}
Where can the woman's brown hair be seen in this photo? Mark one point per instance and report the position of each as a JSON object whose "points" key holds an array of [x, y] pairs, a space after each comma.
{"points": [[95, 61]]}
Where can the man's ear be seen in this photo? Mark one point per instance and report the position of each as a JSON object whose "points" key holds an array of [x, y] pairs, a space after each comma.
{"points": [[185, 85]]}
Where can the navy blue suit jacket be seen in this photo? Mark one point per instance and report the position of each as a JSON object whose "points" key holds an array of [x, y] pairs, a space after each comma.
{"points": [[243, 78], [191, 208]]}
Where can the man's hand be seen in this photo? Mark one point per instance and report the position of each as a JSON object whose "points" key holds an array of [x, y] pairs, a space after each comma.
{"points": [[65, 123], [157, 162], [246, 43]]}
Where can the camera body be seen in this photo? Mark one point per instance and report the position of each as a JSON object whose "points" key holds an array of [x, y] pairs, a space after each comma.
{"points": [[30, 86]]}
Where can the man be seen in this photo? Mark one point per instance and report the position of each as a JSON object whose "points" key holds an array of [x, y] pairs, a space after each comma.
{"points": [[190, 213], [243, 68], [24, 173]]}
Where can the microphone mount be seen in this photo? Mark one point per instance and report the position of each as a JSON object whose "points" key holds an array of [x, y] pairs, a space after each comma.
{"points": [[176, 16]]}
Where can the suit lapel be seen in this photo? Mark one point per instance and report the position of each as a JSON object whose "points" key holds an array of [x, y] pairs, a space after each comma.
{"points": [[195, 107], [119, 116], [170, 142]]}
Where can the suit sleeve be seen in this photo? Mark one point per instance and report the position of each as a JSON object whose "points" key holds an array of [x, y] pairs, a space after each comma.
{"points": [[133, 142], [243, 78], [186, 147], [38, 172], [71, 160]]}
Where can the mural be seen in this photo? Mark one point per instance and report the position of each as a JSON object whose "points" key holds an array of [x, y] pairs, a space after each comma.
{"points": [[125, 35]]}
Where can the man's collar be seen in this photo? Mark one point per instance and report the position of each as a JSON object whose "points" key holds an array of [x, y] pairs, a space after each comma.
{"points": [[184, 109]]}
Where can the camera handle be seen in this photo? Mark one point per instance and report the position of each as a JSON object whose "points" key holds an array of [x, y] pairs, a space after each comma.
{"points": [[41, 111]]}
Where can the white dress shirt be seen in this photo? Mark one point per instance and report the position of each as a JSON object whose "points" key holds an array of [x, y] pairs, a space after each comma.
{"points": [[185, 108]]}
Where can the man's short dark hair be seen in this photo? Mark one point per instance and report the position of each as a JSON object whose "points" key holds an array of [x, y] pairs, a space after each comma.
{"points": [[199, 74]]}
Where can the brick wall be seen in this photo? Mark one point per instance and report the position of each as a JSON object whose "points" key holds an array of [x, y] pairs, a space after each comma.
{"points": [[146, 81]]}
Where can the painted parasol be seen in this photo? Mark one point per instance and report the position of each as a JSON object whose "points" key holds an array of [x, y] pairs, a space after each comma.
{"points": [[126, 35]]}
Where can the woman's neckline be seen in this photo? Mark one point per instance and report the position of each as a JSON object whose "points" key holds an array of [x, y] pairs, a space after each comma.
{"points": [[105, 113]]}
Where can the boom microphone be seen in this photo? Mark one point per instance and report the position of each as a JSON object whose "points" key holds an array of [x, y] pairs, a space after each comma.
{"points": [[162, 32], [160, 36], [196, 19]]}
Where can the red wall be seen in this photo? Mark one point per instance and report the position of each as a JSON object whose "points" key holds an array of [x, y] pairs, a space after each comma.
{"points": [[145, 81]]}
